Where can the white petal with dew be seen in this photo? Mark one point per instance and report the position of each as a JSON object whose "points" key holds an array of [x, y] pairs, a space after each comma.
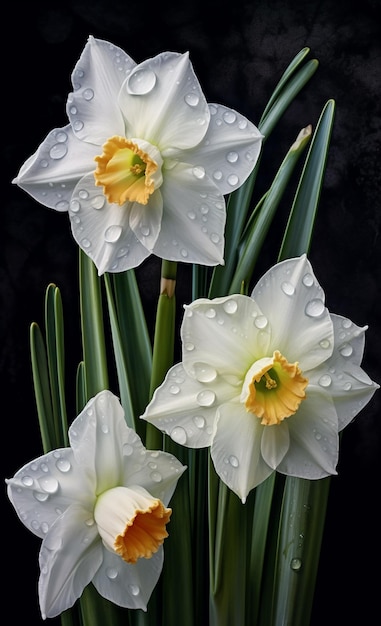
{"points": [[163, 103], [193, 223], [92, 108], [145, 220], [224, 335], [185, 408], [293, 301], [125, 584], [52, 172], [275, 443], [44, 488], [236, 449], [102, 229], [70, 555], [314, 440], [229, 150]]}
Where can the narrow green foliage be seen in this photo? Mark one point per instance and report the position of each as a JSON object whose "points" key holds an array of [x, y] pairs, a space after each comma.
{"points": [[41, 383]]}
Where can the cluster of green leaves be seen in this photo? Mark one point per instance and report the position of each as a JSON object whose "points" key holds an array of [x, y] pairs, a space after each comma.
{"points": [[240, 564]]}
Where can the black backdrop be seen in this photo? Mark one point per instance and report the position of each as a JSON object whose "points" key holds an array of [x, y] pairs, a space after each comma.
{"points": [[239, 50]]}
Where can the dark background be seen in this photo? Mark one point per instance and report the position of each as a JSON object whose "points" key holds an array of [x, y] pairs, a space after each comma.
{"points": [[239, 51]]}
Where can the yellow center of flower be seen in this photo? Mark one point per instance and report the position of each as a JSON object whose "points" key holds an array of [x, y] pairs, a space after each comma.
{"points": [[275, 390], [131, 522], [125, 171]]}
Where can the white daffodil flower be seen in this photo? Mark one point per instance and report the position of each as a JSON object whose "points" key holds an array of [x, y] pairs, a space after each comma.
{"points": [[266, 381], [144, 163], [100, 508]]}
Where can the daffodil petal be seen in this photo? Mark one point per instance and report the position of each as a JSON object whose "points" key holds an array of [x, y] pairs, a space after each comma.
{"points": [[314, 440], [226, 334], [70, 555], [236, 449], [145, 220], [275, 444], [193, 222], [102, 229], [293, 302], [97, 78], [185, 409], [229, 150], [52, 172], [97, 437], [44, 488], [162, 101], [125, 584], [341, 375]]}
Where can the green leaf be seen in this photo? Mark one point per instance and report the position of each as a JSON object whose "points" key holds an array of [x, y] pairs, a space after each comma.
{"points": [[93, 337], [298, 233], [41, 383]]}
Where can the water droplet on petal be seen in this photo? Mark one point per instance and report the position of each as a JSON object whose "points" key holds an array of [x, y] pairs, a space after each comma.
{"points": [[199, 421], [127, 449], [314, 308], [192, 99], [88, 94], [189, 346], [233, 460], [141, 82], [49, 484], [261, 321], [346, 323], [230, 306], [233, 179], [210, 313], [308, 280], [325, 380], [206, 397], [41, 497], [179, 435], [27, 481], [204, 373], [346, 350], [98, 202], [63, 465], [229, 117], [199, 172], [232, 157], [325, 344], [347, 387], [217, 175], [111, 573], [113, 233], [156, 476], [135, 590], [58, 151], [174, 390], [288, 288]]}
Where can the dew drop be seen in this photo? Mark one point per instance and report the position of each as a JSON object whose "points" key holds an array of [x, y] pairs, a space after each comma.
{"points": [[260, 321], [346, 350], [135, 590], [63, 465], [141, 82], [44, 527], [347, 387], [210, 313], [206, 397], [61, 137], [156, 476], [63, 205], [192, 99], [308, 280], [204, 373], [127, 449], [44, 163], [85, 243], [346, 323], [184, 253], [104, 429], [230, 306], [229, 117], [179, 435], [199, 172], [217, 175], [89, 522], [191, 215], [58, 151], [233, 179], [318, 436], [189, 346], [199, 421], [233, 460], [111, 573], [88, 94], [314, 308], [113, 233], [325, 344], [288, 288], [41, 497], [325, 380], [174, 390], [49, 484], [27, 481], [232, 157], [98, 202], [296, 564]]}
